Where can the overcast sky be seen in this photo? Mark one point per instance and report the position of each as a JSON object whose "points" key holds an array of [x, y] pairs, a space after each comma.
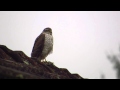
{"points": [[81, 38]]}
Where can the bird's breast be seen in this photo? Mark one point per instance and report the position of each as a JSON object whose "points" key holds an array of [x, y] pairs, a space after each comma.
{"points": [[48, 44]]}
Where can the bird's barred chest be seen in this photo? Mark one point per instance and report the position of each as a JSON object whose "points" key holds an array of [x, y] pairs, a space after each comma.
{"points": [[48, 44]]}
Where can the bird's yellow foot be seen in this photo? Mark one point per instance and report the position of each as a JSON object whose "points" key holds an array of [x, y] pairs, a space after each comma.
{"points": [[44, 60]]}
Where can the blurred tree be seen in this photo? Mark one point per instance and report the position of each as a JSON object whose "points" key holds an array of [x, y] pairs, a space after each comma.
{"points": [[115, 60], [102, 76]]}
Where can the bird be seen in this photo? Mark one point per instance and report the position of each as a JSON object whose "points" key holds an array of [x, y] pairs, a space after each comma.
{"points": [[43, 45]]}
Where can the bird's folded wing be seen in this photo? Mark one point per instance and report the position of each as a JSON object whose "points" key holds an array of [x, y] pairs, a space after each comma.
{"points": [[38, 46]]}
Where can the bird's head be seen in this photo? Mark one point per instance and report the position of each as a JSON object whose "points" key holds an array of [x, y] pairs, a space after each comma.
{"points": [[47, 30]]}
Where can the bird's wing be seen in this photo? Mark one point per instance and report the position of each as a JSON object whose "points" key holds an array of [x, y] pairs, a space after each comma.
{"points": [[38, 46]]}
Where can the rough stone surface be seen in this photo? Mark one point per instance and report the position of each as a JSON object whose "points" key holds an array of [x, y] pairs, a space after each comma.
{"points": [[17, 65]]}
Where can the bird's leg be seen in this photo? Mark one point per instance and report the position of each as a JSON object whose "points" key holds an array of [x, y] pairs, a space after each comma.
{"points": [[45, 60]]}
